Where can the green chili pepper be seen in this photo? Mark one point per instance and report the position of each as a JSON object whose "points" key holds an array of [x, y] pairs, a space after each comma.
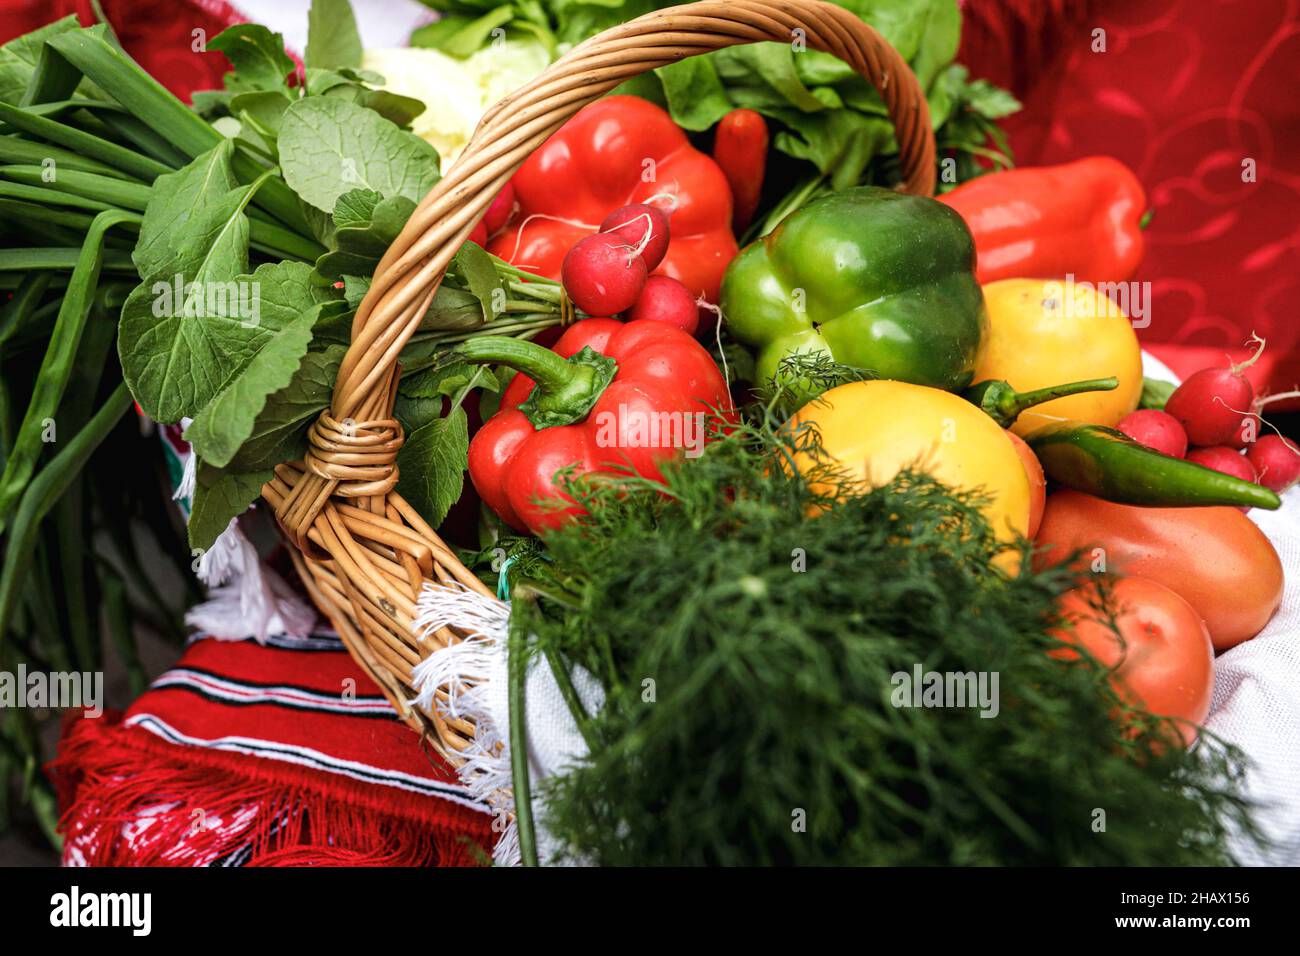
{"points": [[1004, 404], [1108, 464]]}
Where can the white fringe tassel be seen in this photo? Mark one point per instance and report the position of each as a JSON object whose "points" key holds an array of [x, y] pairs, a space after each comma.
{"points": [[466, 670], [245, 597]]}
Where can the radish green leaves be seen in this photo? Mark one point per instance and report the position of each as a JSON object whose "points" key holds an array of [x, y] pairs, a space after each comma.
{"points": [[329, 146]]}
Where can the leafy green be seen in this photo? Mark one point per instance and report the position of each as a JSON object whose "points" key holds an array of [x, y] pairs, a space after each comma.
{"points": [[177, 204], [474, 268], [18, 57], [289, 306], [823, 111], [749, 634], [365, 224], [332, 37], [356, 208], [182, 332], [278, 435], [1155, 393], [330, 146], [220, 497], [446, 381], [462, 35], [357, 86], [257, 55], [432, 462], [694, 93], [262, 110]]}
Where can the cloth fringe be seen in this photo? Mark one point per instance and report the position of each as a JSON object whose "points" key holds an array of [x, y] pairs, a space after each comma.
{"points": [[245, 597], [135, 800], [465, 671]]}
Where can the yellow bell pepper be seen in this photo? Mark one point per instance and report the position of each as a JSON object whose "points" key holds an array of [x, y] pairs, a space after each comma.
{"points": [[1043, 332], [874, 430]]}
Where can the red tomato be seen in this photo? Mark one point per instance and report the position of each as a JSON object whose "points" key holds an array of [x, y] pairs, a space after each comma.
{"points": [[1162, 658], [1037, 481], [1215, 558]]}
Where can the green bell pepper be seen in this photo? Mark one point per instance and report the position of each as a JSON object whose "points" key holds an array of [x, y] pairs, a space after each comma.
{"points": [[878, 280]]}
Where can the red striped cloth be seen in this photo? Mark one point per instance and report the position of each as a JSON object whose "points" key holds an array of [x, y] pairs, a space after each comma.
{"points": [[284, 754]]}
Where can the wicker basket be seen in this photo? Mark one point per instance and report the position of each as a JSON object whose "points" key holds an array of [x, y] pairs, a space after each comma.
{"points": [[363, 552]]}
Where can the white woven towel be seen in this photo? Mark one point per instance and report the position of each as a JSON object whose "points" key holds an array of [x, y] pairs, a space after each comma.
{"points": [[1257, 702]]}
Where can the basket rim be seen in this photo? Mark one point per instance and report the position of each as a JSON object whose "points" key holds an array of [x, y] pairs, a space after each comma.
{"points": [[362, 551]]}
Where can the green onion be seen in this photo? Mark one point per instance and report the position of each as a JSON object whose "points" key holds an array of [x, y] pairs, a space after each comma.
{"points": [[61, 260], [25, 152], [56, 368], [143, 96], [84, 146], [105, 189], [45, 489]]}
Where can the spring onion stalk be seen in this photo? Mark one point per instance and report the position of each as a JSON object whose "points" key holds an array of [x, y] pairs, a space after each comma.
{"points": [[48, 196], [25, 152], [141, 135], [26, 213], [61, 260], [56, 368], [87, 147], [117, 616], [518, 678], [143, 96], [106, 189], [46, 489]]}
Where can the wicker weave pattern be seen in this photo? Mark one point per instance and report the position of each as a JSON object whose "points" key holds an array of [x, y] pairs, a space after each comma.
{"points": [[362, 550]]}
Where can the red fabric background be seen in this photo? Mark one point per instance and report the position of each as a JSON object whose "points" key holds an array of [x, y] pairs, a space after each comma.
{"points": [[1185, 91], [158, 33]]}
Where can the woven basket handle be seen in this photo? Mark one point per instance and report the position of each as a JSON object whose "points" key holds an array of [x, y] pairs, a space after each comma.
{"points": [[353, 446]]}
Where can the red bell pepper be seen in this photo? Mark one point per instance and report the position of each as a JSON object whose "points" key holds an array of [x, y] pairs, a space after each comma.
{"points": [[611, 395], [1081, 219], [618, 151], [740, 148]]}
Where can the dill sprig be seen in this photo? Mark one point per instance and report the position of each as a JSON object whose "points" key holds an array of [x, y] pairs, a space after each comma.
{"points": [[747, 632]]}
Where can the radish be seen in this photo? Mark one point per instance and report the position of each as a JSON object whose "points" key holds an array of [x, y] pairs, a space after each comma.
{"points": [[642, 227], [664, 299], [479, 235], [1224, 459], [1157, 430], [1212, 402], [603, 275], [501, 211], [1276, 460], [1247, 431]]}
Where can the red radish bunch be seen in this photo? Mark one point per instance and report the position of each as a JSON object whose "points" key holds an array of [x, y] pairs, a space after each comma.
{"points": [[1156, 429], [1276, 460], [1224, 459], [609, 273], [1213, 403], [664, 299], [501, 210], [603, 275], [498, 214], [1216, 413], [644, 228]]}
